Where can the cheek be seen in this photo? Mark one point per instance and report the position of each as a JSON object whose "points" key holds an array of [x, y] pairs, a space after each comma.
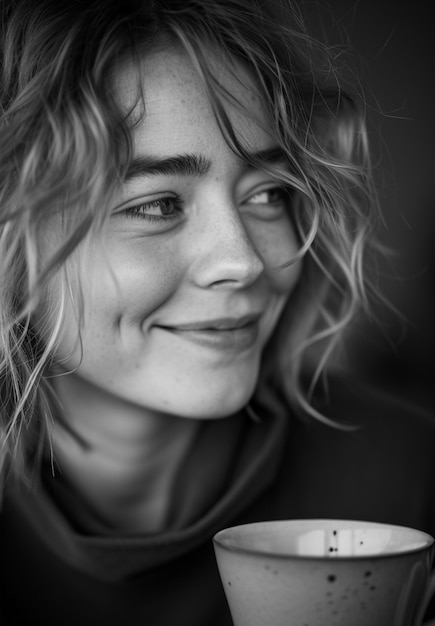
{"points": [[128, 281], [277, 245]]}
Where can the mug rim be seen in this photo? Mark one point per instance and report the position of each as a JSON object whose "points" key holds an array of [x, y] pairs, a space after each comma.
{"points": [[424, 536]]}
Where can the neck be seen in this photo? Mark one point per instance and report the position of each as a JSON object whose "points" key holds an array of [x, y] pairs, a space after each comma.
{"points": [[121, 458]]}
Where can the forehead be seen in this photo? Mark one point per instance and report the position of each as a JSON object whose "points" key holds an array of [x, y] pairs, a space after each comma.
{"points": [[178, 108]]}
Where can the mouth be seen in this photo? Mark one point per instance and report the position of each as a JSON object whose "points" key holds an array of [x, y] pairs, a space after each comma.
{"points": [[226, 333]]}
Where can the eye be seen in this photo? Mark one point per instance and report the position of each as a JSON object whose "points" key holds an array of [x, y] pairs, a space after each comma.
{"points": [[163, 209], [274, 195], [268, 204]]}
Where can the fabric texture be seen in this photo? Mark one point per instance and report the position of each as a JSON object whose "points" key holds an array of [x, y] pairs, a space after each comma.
{"points": [[53, 571]]}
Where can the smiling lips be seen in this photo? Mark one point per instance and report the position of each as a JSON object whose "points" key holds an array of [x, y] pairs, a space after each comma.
{"points": [[227, 333]]}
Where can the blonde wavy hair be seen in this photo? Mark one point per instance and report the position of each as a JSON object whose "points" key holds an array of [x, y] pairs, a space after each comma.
{"points": [[66, 145]]}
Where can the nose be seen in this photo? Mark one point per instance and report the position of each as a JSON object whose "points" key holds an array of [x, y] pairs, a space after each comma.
{"points": [[226, 255]]}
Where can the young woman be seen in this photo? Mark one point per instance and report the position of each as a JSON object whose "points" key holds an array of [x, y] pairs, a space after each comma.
{"points": [[187, 208]]}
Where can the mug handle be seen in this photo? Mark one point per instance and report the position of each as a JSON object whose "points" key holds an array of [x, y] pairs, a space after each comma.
{"points": [[430, 591]]}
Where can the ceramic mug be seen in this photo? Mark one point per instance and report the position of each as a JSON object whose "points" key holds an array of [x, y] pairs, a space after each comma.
{"points": [[325, 573]]}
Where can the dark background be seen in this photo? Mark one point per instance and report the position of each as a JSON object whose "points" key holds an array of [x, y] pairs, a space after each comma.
{"points": [[394, 43]]}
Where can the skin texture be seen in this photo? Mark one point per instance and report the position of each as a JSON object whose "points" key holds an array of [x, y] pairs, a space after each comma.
{"points": [[178, 251]]}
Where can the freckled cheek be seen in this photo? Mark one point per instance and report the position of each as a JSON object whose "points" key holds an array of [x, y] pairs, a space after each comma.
{"points": [[277, 244], [134, 284], [285, 280]]}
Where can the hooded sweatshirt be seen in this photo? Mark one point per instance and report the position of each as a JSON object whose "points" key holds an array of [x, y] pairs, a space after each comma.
{"points": [[58, 572]]}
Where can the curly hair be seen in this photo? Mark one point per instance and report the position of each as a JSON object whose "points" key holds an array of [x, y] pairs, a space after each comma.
{"points": [[66, 145]]}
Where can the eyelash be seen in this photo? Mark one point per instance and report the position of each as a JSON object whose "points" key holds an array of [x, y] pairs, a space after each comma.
{"points": [[136, 212], [280, 191]]}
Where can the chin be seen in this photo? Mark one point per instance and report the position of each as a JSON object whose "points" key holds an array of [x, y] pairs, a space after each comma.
{"points": [[217, 405]]}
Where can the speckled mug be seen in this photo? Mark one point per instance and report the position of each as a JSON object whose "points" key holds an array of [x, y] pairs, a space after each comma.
{"points": [[325, 573]]}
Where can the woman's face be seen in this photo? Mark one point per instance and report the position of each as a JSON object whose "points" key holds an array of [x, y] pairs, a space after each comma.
{"points": [[183, 288]]}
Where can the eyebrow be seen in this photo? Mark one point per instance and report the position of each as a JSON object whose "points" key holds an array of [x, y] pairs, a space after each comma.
{"points": [[191, 164], [178, 165]]}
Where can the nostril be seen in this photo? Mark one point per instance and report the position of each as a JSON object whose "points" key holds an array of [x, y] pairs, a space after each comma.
{"points": [[230, 267]]}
